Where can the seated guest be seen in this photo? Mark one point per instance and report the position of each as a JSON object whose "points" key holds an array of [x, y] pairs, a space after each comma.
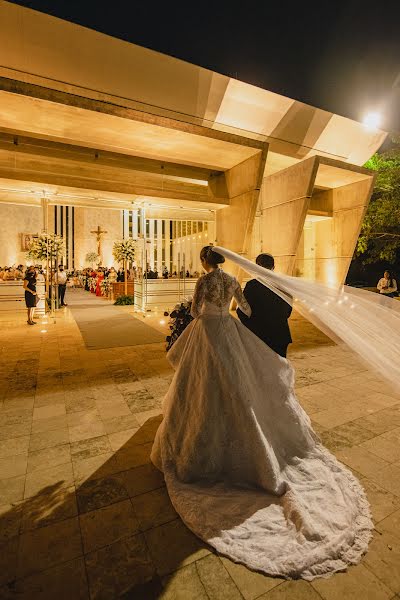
{"points": [[387, 285], [269, 313]]}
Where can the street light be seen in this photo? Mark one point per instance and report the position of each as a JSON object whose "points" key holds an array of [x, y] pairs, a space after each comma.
{"points": [[372, 120]]}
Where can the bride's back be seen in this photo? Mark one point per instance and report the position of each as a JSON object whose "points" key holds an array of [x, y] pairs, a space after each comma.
{"points": [[214, 292]]}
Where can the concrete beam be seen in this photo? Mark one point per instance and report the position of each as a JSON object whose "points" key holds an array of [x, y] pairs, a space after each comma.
{"points": [[60, 97], [95, 174], [39, 147]]}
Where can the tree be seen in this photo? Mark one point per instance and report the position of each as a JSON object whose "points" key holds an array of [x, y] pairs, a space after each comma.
{"points": [[124, 252], [380, 232]]}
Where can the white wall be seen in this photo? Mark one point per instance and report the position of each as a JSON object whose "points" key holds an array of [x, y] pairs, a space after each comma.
{"points": [[15, 220], [87, 220]]}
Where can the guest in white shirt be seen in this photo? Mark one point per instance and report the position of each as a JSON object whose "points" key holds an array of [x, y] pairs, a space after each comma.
{"points": [[62, 285], [387, 285]]}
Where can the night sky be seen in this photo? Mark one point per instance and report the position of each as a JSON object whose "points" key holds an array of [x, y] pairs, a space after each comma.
{"points": [[343, 56]]}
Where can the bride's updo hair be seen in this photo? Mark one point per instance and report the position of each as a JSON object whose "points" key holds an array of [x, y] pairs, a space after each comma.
{"points": [[211, 257]]}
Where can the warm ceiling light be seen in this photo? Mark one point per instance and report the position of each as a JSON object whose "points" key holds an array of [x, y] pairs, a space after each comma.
{"points": [[372, 120]]}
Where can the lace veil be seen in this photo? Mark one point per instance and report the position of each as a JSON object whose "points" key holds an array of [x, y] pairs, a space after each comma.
{"points": [[368, 323]]}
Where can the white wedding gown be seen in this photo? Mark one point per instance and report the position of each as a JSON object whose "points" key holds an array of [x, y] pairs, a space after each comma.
{"points": [[242, 464]]}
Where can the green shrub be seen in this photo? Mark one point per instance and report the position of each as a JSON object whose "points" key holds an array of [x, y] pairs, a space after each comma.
{"points": [[124, 300]]}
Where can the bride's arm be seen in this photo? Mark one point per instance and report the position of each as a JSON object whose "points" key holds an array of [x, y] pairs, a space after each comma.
{"points": [[241, 300], [198, 297]]}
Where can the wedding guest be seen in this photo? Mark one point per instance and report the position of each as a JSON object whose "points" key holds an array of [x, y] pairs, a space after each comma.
{"points": [[30, 293], [387, 285], [112, 276], [100, 278], [61, 280]]}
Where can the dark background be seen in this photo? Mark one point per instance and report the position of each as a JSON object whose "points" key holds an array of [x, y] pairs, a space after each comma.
{"points": [[343, 56]]}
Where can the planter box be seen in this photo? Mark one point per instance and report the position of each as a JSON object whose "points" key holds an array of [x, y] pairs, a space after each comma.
{"points": [[118, 289]]}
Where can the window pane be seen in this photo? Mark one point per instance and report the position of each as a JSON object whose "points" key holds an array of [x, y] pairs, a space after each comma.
{"points": [[189, 228], [200, 226]]}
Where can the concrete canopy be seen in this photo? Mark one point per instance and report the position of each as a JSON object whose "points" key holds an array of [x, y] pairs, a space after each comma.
{"points": [[90, 120]]}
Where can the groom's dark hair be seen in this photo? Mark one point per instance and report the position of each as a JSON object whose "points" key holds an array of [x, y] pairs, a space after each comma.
{"points": [[265, 260]]}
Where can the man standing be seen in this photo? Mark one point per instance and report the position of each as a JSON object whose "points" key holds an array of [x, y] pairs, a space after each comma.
{"points": [[62, 285], [269, 313]]}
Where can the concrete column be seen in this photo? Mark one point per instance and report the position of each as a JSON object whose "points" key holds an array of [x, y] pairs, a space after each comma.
{"points": [[284, 201], [45, 214], [241, 185]]}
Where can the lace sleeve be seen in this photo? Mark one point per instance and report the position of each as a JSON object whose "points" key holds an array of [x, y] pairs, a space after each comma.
{"points": [[241, 300], [198, 297]]}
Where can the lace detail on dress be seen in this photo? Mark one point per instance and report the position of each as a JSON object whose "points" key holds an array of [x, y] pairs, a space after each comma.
{"points": [[216, 290]]}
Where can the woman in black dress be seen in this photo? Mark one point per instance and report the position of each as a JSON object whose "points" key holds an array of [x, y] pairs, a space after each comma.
{"points": [[30, 293]]}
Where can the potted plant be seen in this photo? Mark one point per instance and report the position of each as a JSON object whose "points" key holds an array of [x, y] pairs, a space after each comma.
{"points": [[124, 252]]}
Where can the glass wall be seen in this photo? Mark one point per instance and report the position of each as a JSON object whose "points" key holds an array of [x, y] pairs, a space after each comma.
{"points": [[172, 243]]}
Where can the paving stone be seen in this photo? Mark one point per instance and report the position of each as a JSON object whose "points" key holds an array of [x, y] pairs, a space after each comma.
{"points": [[64, 582], [358, 583], [182, 585], [55, 504], [251, 584], [47, 439], [172, 545], [106, 525], [383, 559], [97, 493], [133, 456], [12, 490], [90, 447], [95, 467], [120, 423], [48, 457], [13, 466], [117, 569], [293, 590], [45, 547], [47, 412], [153, 508], [142, 479], [9, 560], [361, 460], [10, 521], [38, 482], [383, 447], [383, 503], [391, 524], [120, 438], [216, 580]]}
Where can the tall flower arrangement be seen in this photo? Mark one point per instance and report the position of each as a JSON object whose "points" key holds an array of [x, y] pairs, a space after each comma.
{"points": [[124, 252], [92, 257], [46, 245]]}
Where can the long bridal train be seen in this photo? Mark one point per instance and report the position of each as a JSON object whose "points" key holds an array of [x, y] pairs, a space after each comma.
{"points": [[242, 464]]}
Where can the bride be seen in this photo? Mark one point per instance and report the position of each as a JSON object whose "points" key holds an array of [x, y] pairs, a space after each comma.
{"points": [[243, 467]]}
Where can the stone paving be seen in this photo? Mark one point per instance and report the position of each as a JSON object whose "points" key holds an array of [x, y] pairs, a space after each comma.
{"points": [[85, 515]]}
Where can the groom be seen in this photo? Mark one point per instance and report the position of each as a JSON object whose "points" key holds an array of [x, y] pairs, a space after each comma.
{"points": [[269, 313]]}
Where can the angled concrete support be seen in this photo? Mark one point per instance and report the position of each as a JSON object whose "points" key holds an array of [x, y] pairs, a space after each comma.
{"points": [[241, 185], [328, 245], [284, 201]]}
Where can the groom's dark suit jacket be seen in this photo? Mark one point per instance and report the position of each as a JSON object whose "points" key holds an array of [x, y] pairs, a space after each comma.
{"points": [[269, 316]]}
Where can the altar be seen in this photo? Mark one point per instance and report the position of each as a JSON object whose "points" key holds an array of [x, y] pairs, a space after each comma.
{"points": [[12, 297], [162, 294]]}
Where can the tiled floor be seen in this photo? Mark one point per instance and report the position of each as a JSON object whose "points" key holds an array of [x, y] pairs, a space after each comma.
{"points": [[83, 514]]}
